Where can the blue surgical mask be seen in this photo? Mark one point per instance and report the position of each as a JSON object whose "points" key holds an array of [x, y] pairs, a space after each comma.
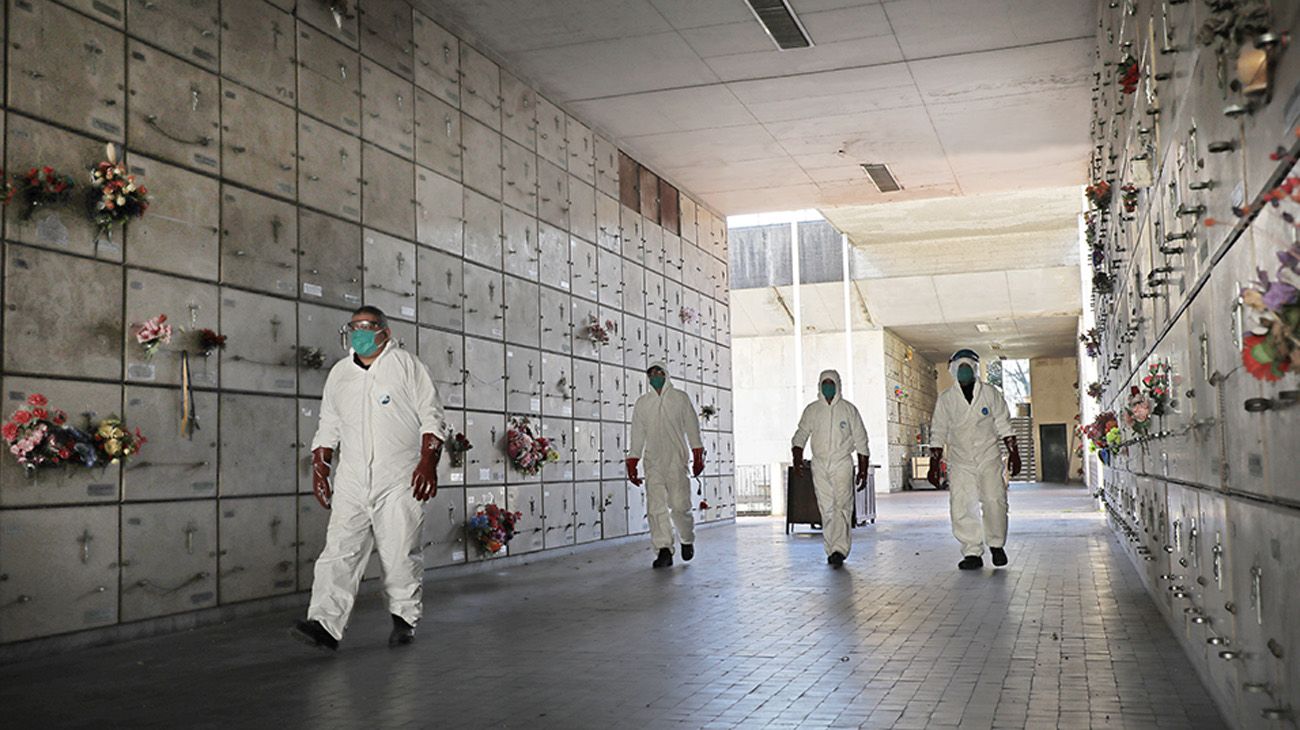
{"points": [[363, 342], [657, 381], [965, 374], [828, 390]]}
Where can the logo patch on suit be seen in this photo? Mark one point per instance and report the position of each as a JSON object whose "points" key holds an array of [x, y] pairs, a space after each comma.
{"points": [[844, 425], [984, 411], [385, 399]]}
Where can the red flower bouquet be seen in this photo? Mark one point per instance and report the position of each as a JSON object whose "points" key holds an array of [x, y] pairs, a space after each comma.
{"points": [[528, 452], [456, 447], [42, 186], [491, 528], [115, 196]]}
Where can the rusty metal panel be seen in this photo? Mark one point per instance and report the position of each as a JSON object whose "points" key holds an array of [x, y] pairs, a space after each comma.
{"points": [[649, 189], [66, 68], [329, 170], [180, 234], [189, 307], [437, 135], [387, 109], [186, 29], [669, 215], [175, 109], [386, 34], [259, 242], [629, 182], [257, 48], [329, 260], [66, 228], [388, 192], [329, 79], [437, 59], [41, 289], [258, 146]]}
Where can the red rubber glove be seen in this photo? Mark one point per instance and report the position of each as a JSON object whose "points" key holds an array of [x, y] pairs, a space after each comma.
{"points": [[796, 457], [697, 462], [935, 474], [320, 475], [631, 471], [424, 480], [862, 472], [1013, 455]]}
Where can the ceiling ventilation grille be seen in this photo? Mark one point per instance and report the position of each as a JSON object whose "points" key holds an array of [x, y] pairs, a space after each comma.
{"points": [[882, 177], [780, 23]]}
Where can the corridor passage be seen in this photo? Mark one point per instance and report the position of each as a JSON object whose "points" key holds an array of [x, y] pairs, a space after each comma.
{"points": [[757, 631]]}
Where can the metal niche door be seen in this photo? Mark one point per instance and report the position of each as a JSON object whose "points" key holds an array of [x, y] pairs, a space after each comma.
{"points": [[606, 167], [557, 384], [588, 512], [527, 499], [523, 380], [481, 164], [180, 233], [482, 230], [169, 558], [608, 224], [259, 445], [259, 242], [174, 464], [523, 312], [389, 274], [386, 34], [257, 48], [518, 111], [480, 87], [586, 389], [175, 109], [485, 375], [613, 518], [582, 210], [441, 289], [586, 450], [582, 150], [387, 109], [329, 170], [258, 148], [439, 212], [318, 345], [556, 321], [557, 501], [41, 338], [437, 59], [519, 239], [519, 165], [329, 80], [553, 195], [560, 433], [444, 528], [257, 548], [261, 347], [486, 462], [189, 307], [484, 302], [388, 192], [444, 354], [437, 135], [551, 143]]}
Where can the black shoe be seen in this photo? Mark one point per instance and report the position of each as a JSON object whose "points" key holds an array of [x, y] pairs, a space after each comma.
{"points": [[688, 552], [665, 558], [403, 633], [971, 562], [312, 633], [999, 556], [835, 559]]}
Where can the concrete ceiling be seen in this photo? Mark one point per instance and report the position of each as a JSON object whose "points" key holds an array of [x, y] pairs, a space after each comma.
{"points": [[933, 270], [958, 96]]}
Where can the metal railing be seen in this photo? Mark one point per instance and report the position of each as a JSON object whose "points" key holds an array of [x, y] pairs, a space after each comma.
{"points": [[754, 490]]}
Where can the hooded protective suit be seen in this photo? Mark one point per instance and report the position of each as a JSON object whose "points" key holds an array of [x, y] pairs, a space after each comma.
{"points": [[969, 434], [664, 425], [375, 419], [836, 431]]}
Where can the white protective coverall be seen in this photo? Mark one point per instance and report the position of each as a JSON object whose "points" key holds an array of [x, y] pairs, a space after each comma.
{"points": [[969, 434], [664, 425], [836, 431], [375, 419]]}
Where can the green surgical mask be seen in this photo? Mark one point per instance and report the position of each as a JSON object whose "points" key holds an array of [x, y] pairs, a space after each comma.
{"points": [[363, 342], [828, 390], [965, 375], [657, 381]]}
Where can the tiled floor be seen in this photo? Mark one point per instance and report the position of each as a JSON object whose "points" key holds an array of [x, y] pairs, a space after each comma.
{"points": [[757, 632]]}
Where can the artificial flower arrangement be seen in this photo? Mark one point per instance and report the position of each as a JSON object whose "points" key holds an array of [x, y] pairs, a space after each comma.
{"points": [[456, 447], [1099, 194], [40, 437], [1102, 283], [704, 504], [600, 332], [1095, 390], [491, 528], [1273, 348], [1157, 388], [687, 315], [207, 341], [115, 197], [311, 358], [1129, 197], [7, 189], [901, 393], [1103, 435], [152, 334], [1138, 411], [528, 452], [1091, 342], [708, 411], [41, 187], [1129, 74]]}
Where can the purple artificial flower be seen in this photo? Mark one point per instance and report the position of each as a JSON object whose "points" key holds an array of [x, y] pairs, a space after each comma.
{"points": [[1277, 294], [1290, 258]]}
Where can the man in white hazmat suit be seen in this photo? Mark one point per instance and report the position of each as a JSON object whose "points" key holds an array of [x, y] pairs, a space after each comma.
{"points": [[664, 424], [381, 411], [836, 430], [970, 418]]}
